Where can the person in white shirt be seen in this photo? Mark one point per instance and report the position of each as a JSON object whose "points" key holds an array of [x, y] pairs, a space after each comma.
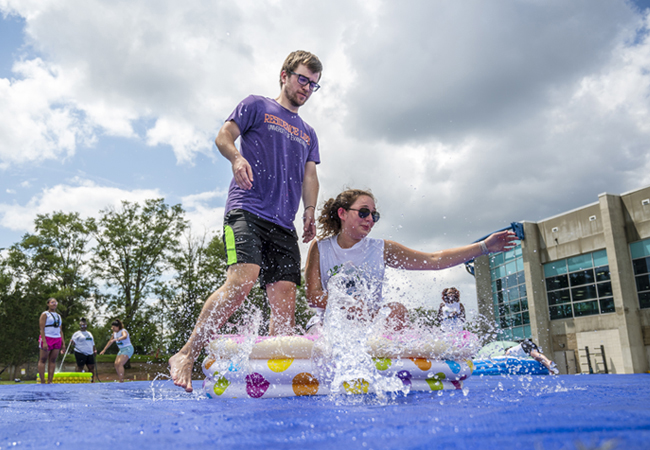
{"points": [[84, 348], [451, 311], [529, 348], [344, 224]]}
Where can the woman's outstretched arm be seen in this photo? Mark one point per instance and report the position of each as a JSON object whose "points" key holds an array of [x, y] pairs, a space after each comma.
{"points": [[399, 256]]}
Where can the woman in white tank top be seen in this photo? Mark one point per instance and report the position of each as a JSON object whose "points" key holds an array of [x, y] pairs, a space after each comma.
{"points": [[51, 341], [451, 312], [343, 244]]}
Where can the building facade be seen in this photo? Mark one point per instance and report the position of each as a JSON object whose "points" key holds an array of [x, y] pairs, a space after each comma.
{"points": [[578, 284]]}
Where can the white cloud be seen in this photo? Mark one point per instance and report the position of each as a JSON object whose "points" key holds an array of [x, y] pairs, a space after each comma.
{"points": [[37, 120], [81, 196], [204, 217], [88, 199], [461, 117]]}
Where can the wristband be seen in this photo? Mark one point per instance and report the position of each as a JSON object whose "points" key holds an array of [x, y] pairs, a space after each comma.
{"points": [[307, 207], [484, 249]]}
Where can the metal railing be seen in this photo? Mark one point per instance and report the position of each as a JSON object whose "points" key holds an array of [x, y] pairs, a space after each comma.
{"points": [[598, 357]]}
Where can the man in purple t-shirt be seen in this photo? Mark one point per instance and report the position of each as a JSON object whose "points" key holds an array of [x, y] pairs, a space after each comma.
{"points": [[275, 168]]}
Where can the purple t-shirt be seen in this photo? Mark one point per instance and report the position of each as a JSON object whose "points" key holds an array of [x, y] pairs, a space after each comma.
{"points": [[277, 144]]}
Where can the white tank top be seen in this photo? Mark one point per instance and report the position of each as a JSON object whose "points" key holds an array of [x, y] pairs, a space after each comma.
{"points": [[451, 311], [52, 325], [366, 257], [517, 351], [123, 342]]}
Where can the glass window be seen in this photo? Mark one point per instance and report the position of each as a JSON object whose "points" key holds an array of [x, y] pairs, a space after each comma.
{"points": [[515, 307], [583, 293], [508, 286], [579, 262], [641, 265], [497, 259], [558, 297], [560, 312], [582, 277], [522, 290], [585, 308], [604, 289], [590, 286], [555, 268], [640, 249], [607, 305], [524, 304], [511, 280], [519, 333], [525, 317], [642, 283], [514, 293], [521, 278], [644, 299], [520, 265], [600, 258], [602, 273], [559, 282]]}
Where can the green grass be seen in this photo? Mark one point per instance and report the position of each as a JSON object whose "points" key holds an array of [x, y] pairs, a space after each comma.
{"points": [[69, 359]]}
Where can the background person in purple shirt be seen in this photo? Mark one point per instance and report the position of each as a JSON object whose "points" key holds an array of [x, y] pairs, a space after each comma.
{"points": [[275, 168]]}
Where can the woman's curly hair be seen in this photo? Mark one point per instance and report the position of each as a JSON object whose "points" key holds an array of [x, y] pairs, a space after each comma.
{"points": [[329, 222], [451, 292]]}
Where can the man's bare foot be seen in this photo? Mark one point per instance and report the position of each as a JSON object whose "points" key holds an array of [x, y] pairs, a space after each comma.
{"points": [[180, 369]]}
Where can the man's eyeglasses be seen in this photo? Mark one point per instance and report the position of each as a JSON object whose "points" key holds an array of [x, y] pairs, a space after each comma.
{"points": [[304, 81], [365, 212]]}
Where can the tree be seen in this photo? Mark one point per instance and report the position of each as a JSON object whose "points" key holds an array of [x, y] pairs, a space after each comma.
{"points": [[58, 250], [22, 300], [200, 268], [134, 245], [48, 263]]}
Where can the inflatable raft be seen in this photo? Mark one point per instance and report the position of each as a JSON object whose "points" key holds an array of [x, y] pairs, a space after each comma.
{"points": [[264, 367], [508, 365], [68, 377]]}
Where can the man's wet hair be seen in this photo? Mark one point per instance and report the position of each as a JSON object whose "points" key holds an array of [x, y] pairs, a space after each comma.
{"points": [[298, 57]]}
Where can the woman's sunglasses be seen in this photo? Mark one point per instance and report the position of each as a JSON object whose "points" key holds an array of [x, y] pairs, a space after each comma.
{"points": [[365, 212]]}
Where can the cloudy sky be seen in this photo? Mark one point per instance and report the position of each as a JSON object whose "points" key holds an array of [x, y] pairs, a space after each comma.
{"points": [[460, 116]]}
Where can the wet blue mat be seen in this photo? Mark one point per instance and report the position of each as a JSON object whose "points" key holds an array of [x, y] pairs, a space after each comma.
{"points": [[495, 412]]}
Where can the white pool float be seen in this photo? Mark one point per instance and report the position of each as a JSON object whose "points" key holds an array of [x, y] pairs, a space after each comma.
{"points": [[289, 365]]}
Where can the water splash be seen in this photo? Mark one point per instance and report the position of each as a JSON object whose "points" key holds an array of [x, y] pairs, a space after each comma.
{"points": [[350, 323]]}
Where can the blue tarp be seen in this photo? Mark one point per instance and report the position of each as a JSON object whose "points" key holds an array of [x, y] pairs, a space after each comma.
{"points": [[500, 412]]}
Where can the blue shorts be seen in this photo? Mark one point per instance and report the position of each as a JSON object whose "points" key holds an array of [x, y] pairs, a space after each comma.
{"points": [[126, 350]]}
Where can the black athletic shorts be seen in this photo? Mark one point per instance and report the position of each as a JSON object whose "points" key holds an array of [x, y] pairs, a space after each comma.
{"points": [[82, 359], [528, 346], [252, 240]]}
